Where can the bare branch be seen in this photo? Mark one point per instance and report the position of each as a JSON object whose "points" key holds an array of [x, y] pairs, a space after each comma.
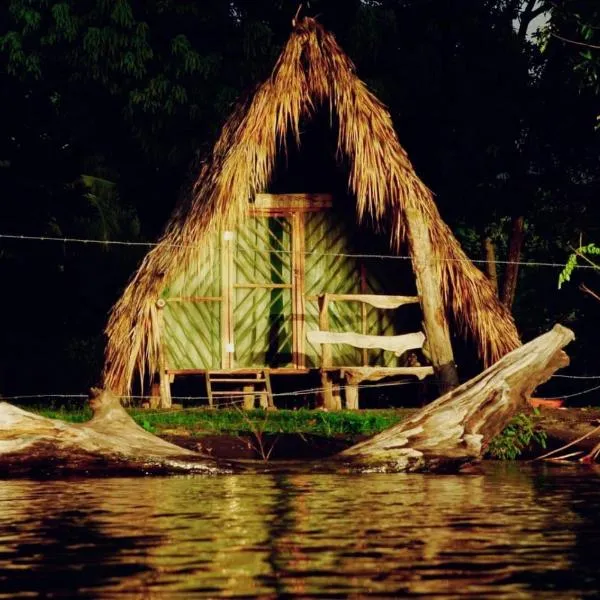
{"points": [[575, 42], [586, 289]]}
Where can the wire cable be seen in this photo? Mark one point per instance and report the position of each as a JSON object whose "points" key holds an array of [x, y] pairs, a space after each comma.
{"points": [[85, 241]]}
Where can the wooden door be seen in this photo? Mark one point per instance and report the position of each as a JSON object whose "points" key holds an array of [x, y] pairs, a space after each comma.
{"points": [[261, 293]]}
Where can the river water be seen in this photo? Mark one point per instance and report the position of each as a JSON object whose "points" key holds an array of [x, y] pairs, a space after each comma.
{"points": [[512, 532]]}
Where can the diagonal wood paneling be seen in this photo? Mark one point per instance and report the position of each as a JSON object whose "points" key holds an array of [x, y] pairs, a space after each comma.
{"points": [[192, 339], [327, 237], [192, 330], [263, 251], [263, 328]]}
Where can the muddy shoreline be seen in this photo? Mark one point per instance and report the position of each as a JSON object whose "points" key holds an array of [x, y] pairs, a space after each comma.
{"points": [[562, 426]]}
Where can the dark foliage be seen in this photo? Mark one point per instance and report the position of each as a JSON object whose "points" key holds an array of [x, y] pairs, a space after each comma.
{"points": [[107, 107]]}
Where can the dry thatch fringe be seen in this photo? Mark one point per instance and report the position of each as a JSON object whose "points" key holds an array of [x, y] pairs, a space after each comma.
{"points": [[311, 71]]}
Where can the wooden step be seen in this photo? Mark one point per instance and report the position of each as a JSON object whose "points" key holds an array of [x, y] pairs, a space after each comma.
{"points": [[253, 386]]}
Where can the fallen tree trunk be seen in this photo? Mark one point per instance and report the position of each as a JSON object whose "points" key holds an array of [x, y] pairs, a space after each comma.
{"points": [[110, 443], [444, 435], [456, 428]]}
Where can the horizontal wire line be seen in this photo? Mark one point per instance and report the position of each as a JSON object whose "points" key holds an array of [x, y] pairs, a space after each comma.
{"points": [[577, 376], [304, 392], [593, 389], [83, 241], [309, 391]]}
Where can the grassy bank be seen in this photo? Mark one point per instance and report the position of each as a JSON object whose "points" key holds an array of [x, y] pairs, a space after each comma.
{"points": [[522, 433], [235, 422]]}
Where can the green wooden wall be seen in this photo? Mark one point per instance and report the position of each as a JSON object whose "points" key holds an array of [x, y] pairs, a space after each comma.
{"points": [[262, 298], [192, 330]]}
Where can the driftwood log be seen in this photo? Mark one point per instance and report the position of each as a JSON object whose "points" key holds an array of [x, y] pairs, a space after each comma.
{"points": [[110, 443], [457, 427], [444, 435]]}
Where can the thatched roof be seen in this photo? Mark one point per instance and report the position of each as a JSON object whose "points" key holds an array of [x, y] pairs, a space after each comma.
{"points": [[311, 72]]}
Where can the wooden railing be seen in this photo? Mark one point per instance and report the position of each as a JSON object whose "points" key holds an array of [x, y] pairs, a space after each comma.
{"points": [[352, 376]]}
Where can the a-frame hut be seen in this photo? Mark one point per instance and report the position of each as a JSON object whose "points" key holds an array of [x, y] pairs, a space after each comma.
{"points": [[246, 282]]}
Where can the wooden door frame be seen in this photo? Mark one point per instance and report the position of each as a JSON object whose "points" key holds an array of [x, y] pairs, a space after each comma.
{"points": [[292, 207]]}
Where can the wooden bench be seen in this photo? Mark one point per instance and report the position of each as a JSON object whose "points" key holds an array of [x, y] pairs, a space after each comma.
{"points": [[354, 375]]}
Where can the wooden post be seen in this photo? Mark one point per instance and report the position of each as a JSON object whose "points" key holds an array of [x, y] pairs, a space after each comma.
{"points": [[329, 399], [164, 382], [268, 391], [211, 401], [352, 379], [324, 326], [154, 396], [435, 323], [298, 308], [249, 397], [363, 311], [351, 395], [227, 273], [330, 395]]}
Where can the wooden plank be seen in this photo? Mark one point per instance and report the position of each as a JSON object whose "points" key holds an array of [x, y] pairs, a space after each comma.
{"points": [[383, 301], [298, 307], [394, 343], [195, 299], [262, 286], [300, 202], [358, 374], [276, 371], [154, 395], [437, 330]]}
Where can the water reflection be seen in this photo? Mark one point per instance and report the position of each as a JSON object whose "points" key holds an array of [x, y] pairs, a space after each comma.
{"points": [[511, 532]]}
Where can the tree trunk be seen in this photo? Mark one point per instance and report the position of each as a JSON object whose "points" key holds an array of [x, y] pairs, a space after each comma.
{"points": [[435, 321], [490, 262], [453, 430], [515, 246]]}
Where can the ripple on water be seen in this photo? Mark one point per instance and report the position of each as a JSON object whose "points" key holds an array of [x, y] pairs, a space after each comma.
{"points": [[513, 532]]}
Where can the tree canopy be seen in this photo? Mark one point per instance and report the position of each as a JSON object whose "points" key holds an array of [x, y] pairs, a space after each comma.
{"points": [[109, 105]]}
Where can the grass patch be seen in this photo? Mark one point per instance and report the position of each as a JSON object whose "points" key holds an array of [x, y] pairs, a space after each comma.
{"points": [[71, 415], [236, 422]]}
